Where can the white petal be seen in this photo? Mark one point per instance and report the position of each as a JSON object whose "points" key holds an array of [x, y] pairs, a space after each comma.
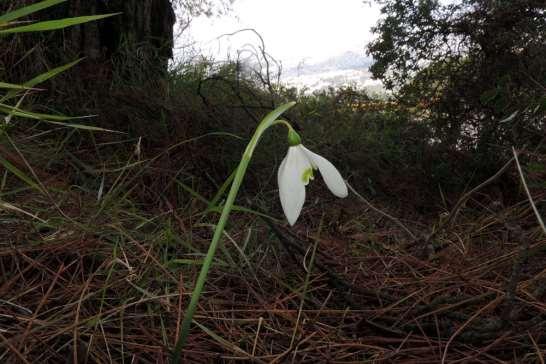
{"points": [[329, 173], [291, 184]]}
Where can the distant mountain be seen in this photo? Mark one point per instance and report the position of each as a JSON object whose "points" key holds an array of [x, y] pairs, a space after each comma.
{"points": [[346, 61], [348, 68]]}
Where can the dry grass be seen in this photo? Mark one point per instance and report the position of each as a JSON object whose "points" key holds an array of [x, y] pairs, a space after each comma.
{"points": [[89, 282]]}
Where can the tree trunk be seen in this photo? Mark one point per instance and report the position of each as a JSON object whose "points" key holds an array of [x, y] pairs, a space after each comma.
{"points": [[145, 26]]}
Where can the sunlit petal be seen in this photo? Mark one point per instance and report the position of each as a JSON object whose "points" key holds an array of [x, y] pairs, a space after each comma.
{"points": [[329, 173], [291, 183]]}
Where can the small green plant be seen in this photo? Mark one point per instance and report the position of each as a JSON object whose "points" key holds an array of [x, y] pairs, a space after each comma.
{"points": [[294, 174]]}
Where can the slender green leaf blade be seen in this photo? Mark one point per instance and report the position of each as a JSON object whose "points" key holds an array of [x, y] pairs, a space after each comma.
{"points": [[27, 10], [11, 86], [8, 109], [55, 24], [20, 174], [51, 73], [82, 126], [41, 78], [10, 207], [52, 119]]}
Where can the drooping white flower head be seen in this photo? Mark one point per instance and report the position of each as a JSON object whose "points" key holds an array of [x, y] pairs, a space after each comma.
{"points": [[295, 172]]}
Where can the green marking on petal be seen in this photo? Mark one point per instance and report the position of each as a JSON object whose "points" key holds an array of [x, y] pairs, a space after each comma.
{"points": [[307, 175]]}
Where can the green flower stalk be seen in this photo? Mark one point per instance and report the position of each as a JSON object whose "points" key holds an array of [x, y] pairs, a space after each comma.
{"points": [[295, 172], [268, 121]]}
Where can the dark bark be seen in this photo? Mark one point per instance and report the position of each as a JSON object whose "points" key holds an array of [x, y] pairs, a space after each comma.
{"points": [[144, 27]]}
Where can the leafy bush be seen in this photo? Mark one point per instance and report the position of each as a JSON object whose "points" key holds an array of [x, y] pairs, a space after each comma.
{"points": [[467, 65]]}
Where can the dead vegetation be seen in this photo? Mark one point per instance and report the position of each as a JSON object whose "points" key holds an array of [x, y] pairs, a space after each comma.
{"points": [[107, 281]]}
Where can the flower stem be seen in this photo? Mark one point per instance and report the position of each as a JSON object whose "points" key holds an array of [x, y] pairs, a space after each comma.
{"points": [[268, 121]]}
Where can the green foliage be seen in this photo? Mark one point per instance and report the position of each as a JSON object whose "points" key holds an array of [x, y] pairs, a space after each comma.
{"points": [[374, 141], [466, 66], [27, 10], [268, 121], [53, 24], [8, 25]]}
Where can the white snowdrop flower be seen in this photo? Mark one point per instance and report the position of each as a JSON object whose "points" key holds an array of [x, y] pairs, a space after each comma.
{"points": [[295, 172]]}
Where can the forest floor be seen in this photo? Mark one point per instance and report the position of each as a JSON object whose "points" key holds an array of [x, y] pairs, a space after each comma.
{"points": [[104, 275]]}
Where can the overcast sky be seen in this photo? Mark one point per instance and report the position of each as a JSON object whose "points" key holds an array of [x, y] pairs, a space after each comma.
{"points": [[293, 30]]}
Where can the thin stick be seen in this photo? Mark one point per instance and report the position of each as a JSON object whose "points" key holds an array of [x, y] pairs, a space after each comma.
{"points": [[13, 349], [392, 218], [260, 321], [537, 214], [465, 324], [455, 211]]}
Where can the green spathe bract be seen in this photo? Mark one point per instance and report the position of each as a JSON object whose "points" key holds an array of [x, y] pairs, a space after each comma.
{"points": [[268, 121], [293, 137]]}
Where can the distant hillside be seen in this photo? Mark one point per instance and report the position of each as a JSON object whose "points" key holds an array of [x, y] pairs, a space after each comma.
{"points": [[349, 68], [345, 61]]}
